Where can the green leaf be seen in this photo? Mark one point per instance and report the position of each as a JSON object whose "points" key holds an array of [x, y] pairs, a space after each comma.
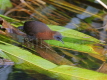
{"points": [[22, 58], [74, 40], [73, 46], [28, 61], [5, 4], [66, 32], [65, 72]]}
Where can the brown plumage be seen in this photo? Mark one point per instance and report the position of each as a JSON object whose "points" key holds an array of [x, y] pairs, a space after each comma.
{"points": [[41, 31]]}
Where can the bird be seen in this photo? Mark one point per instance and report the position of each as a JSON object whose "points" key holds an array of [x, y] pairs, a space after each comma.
{"points": [[41, 31]]}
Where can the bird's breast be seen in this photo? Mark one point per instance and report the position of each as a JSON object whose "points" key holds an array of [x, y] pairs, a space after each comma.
{"points": [[45, 36]]}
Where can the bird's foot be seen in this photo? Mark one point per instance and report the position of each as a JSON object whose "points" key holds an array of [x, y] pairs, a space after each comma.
{"points": [[30, 38]]}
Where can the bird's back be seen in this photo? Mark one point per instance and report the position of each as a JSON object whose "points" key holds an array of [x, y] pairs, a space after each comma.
{"points": [[34, 27]]}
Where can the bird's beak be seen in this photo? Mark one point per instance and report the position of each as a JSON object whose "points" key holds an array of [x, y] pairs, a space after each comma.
{"points": [[62, 41]]}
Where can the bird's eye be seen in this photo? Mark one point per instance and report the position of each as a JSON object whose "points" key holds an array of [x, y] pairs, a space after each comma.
{"points": [[58, 38]]}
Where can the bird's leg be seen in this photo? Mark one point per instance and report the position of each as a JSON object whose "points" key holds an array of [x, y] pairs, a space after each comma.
{"points": [[37, 42], [30, 40], [41, 43]]}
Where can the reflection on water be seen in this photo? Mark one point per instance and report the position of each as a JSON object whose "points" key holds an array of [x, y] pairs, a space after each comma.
{"points": [[5, 68], [75, 21]]}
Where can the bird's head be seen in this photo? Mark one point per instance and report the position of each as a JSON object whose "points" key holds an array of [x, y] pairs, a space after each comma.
{"points": [[57, 36]]}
